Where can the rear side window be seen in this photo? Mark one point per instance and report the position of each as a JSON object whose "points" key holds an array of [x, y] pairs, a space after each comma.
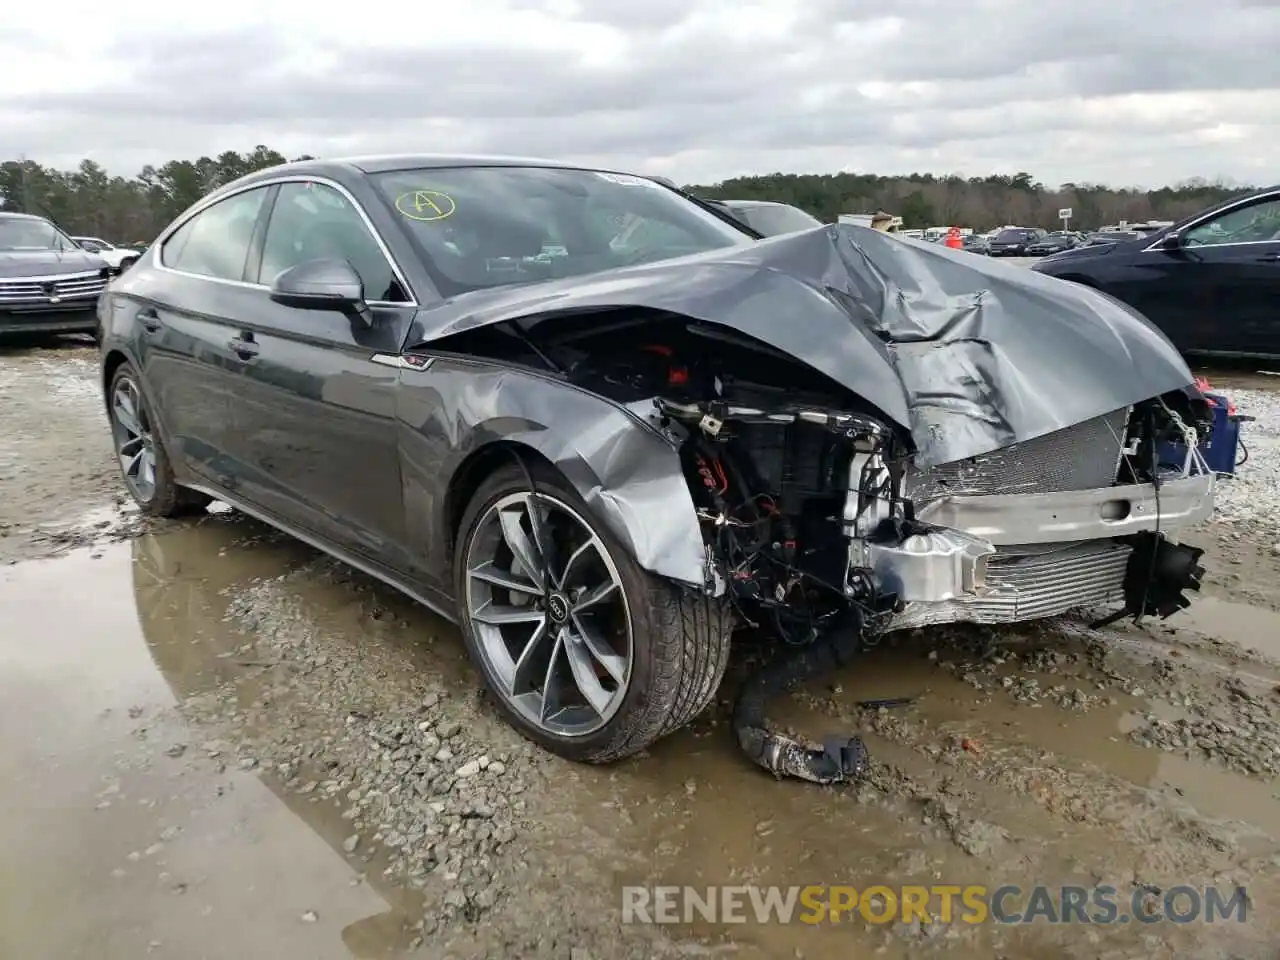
{"points": [[215, 242]]}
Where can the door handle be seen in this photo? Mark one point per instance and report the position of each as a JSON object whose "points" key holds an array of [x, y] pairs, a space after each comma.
{"points": [[1270, 257], [150, 320], [244, 349]]}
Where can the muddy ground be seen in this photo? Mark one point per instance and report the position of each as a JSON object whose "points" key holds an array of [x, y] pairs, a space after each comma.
{"points": [[221, 744]]}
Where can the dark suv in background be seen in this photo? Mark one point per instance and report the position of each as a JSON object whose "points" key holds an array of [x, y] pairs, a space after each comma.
{"points": [[1014, 242]]}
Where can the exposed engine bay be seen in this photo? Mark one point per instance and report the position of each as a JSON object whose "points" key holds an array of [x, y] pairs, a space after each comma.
{"points": [[824, 530]]}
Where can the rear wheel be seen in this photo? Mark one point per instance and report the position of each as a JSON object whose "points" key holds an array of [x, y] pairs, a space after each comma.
{"points": [[585, 652], [144, 463]]}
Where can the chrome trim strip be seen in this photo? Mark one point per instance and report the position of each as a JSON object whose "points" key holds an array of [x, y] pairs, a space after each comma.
{"points": [[83, 275], [208, 202]]}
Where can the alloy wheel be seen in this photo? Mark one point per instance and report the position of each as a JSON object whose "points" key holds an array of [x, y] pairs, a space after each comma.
{"points": [[134, 439], [549, 613]]}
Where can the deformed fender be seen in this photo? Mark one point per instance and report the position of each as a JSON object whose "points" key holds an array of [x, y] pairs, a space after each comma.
{"points": [[625, 468]]}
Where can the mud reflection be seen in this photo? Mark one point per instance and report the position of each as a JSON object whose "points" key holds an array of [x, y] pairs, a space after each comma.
{"points": [[1014, 765], [184, 582]]}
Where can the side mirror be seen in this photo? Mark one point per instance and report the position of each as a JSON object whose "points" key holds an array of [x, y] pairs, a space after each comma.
{"points": [[322, 285], [1171, 241]]}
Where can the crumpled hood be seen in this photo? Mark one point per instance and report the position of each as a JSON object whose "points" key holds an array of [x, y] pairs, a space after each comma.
{"points": [[970, 355], [47, 263]]}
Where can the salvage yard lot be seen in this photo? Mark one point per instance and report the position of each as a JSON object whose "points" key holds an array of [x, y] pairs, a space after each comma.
{"points": [[237, 747]]}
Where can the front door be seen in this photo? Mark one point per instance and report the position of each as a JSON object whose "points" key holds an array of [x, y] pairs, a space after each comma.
{"points": [[1219, 291], [315, 413]]}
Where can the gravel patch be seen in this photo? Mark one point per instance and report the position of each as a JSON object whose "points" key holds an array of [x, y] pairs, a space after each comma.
{"points": [[1252, 496]]}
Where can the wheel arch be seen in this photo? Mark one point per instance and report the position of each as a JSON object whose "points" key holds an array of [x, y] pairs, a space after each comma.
{"points": [[112, 361], [627, 472], [651, 514], [472, 471]]}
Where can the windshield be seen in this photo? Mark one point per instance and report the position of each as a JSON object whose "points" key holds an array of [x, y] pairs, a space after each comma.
{"points": [[490, 226], [1012, 236], [30, 233], [777, 218]]}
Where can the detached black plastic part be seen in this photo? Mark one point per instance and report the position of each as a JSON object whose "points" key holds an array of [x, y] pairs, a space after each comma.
{"points": [[840, 758], [1156, 576]]}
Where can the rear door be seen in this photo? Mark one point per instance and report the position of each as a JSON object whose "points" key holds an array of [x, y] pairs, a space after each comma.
{"points": [[315, 414], [186, 313]]}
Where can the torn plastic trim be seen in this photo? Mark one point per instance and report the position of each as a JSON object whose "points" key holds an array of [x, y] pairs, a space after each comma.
{"points": [[839, 759]]}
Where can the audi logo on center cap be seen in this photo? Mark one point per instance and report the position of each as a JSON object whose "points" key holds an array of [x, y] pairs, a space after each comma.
{"points": [[558, 607]]}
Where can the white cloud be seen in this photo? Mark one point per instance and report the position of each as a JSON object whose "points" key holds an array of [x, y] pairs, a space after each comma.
{"points": [[1115, 91]]}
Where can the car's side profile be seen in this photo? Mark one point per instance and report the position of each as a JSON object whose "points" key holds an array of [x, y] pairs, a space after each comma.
{"points": [[234, 370], [1211, 282], [597, 424]]}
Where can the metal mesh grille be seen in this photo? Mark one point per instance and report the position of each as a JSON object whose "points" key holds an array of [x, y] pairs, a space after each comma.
{"points": [[1081, 457]]}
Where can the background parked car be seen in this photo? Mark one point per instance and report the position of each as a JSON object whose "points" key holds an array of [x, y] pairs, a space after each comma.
{"points": [[47, 283], [1210, 282], [119, 258], [1052, 243], [1014, 243], [976, 243]]}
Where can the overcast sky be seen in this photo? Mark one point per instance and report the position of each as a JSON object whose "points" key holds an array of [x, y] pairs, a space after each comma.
{"points": [[1118, 91]]}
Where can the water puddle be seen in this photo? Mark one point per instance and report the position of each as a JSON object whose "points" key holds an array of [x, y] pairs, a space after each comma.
{"points": [[1012, 765]]}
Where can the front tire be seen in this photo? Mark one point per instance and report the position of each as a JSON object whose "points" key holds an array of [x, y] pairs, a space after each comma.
{"points": [[585, 652], [140, 453]]}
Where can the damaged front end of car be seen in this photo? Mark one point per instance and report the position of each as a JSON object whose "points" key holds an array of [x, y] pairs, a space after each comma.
{"points": [[828, 531], [878, 435]]}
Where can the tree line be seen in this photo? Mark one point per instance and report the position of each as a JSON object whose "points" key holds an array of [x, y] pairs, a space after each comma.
{"points": [[926, 200], [89, 201]]}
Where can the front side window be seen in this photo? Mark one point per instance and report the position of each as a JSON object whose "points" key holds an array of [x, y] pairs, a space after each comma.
{"points": [[313, 221], [215, 242], [1255, 223], [484, 227], [20, 234]]}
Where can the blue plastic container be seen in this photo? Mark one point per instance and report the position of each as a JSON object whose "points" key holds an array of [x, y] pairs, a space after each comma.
{"points": [[1219, 449]]}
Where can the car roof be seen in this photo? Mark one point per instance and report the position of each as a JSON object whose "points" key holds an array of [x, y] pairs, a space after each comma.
{"points": [[387, 163]]}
